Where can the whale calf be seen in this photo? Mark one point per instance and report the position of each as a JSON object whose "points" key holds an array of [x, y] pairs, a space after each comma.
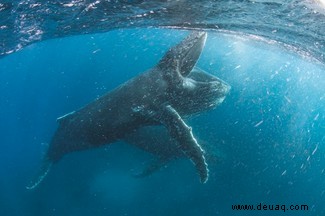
{"points": [[158, 96]]}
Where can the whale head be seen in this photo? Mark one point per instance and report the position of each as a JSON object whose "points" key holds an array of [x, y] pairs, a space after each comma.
{"points": [[190, 89]]}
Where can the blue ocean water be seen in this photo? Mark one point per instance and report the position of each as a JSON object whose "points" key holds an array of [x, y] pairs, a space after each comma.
{"points": [[268, 133]]}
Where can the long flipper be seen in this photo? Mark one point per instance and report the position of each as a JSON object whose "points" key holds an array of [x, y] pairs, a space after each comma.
{"points": [[44, 170], [182, 133]]}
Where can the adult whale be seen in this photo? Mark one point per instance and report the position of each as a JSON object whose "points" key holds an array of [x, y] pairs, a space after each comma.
{"points": [[152, 98]]}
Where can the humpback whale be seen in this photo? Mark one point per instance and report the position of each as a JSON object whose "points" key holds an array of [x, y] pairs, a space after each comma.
{"points": [[158, 96]]}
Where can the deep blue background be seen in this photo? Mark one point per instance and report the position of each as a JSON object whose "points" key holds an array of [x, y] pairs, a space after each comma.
{"points": [[279, 161]]}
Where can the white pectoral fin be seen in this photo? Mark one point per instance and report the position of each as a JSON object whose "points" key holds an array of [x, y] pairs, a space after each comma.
{"points": [[182, 133]]}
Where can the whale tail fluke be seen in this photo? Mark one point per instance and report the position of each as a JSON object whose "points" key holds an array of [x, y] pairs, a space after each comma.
{"points": [[42, 173]]}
